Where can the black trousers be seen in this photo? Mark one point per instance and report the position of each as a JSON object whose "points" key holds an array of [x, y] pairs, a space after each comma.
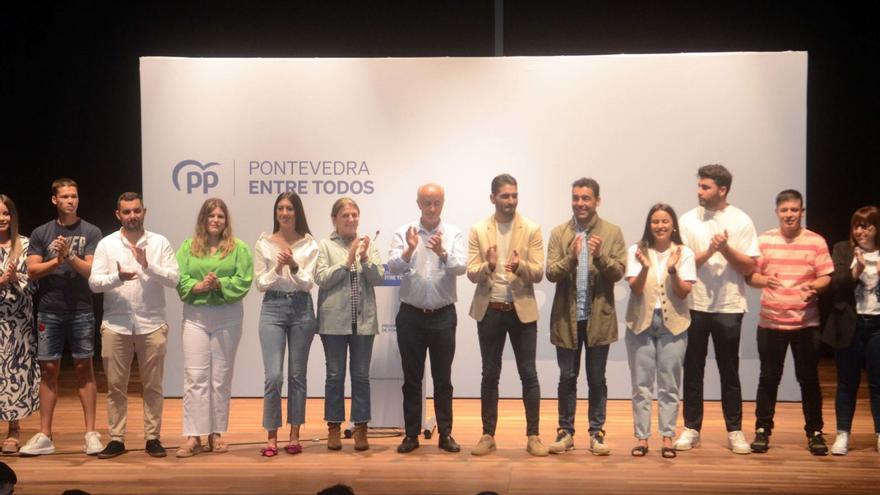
{"points": [[772, 346], [419, 333], [725, 330], [493, 332]]}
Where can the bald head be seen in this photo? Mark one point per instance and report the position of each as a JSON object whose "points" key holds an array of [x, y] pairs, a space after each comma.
{"points": [[429, 189], [430, 200]]}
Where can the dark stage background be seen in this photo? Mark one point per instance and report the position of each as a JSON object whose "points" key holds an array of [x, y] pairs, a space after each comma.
{"points": [[71, 96]]}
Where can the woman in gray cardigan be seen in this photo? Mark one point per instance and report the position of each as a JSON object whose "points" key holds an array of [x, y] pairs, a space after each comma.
{"points": [[660, 272], [348, 269]]}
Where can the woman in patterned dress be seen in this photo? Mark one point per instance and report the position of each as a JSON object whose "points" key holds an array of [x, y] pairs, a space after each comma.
{"points": [[19, 373]]}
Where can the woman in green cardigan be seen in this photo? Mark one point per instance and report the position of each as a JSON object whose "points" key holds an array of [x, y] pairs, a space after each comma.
{"points": [[216, 271]]}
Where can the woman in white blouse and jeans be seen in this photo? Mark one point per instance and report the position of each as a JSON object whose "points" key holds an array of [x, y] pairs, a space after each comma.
{"points": [[284, 269], [660, 272]]}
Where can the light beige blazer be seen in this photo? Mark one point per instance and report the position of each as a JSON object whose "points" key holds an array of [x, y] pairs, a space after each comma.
{"points": [[527, 240]]}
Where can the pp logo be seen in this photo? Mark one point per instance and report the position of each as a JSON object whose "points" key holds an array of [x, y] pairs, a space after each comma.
{"points": [[197, 175]]}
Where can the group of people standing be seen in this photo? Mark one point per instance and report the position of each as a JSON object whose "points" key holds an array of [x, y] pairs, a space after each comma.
{"points": [[687, 280]]}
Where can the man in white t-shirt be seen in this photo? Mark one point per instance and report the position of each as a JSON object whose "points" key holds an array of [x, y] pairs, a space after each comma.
{"points": [[725, 244]]}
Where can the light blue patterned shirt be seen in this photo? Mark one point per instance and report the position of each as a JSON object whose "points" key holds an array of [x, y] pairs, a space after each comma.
{"points": [[583, 274]]}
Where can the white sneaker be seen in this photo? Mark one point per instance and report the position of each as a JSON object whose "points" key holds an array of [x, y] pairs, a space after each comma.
{"points": [[736, 441], [93, 444], [39, 444], [688, 440], [841, 443]]}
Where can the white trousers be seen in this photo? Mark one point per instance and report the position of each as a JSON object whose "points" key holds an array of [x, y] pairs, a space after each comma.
{"points": [[210, 340]]}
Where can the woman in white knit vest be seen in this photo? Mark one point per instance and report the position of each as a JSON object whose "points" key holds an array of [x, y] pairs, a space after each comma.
{"points": [[660, 272]]}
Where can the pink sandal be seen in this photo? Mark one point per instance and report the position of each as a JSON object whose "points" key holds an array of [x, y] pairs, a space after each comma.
{"points": [[269, 451], [293, 449]]}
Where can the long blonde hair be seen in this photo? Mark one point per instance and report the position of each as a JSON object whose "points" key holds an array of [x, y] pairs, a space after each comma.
{"points": [[14, 241], [199, 246]]}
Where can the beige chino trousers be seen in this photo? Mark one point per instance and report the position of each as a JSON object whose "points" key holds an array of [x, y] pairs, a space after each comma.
{"points": [[117, 352]]}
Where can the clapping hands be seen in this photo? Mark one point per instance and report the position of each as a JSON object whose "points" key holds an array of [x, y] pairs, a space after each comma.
{"points": [[208, 283], [9, 275]]}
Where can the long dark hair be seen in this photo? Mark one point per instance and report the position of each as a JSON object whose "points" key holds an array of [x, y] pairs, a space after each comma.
{"points": [[14, 242], [648, 238], [302, 225]]}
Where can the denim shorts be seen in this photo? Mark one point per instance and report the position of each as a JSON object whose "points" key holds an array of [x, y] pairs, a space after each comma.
{"points": [[77, 328]]}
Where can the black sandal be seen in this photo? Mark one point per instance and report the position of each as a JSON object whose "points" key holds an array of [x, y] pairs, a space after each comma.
{"points": [[668, 453], [639, 451]]}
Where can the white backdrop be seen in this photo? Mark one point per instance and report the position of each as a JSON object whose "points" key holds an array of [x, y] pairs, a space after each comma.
{"points": [[641, 125]]}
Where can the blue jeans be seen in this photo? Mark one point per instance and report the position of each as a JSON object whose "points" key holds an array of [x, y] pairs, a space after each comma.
{"points": [[336, 348], [287, 321], [863, 352], [569, 361], [77, 327], [655, 354]]}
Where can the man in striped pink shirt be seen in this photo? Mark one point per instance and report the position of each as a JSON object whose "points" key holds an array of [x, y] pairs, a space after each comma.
{"points": [[793, 268]]}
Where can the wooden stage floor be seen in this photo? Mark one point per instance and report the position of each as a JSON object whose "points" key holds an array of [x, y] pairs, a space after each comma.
{"points": [[787, 468]]}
